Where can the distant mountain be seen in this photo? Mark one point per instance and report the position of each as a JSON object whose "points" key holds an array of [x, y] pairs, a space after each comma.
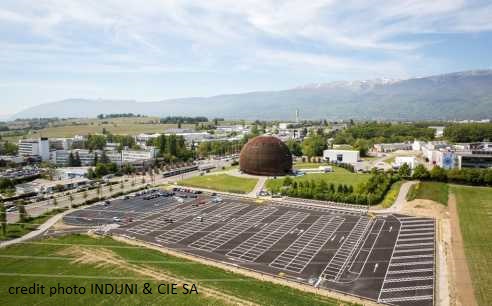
{"points": [[460, 95]]}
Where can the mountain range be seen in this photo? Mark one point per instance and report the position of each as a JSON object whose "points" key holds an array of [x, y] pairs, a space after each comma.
{"points": [[459, 95]]}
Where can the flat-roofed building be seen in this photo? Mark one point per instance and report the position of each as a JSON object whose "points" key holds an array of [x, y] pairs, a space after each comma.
{"points": [[35, 147], [341, 156]]}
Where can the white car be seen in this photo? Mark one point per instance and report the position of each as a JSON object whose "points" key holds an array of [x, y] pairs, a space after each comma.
{"points": [[116, 219]]}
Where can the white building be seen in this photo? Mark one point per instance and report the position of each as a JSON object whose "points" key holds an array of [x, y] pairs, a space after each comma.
{"points": [[35, 147], [341, 156], [391, 147], [71, 172], [46, 186], [411, 161]]}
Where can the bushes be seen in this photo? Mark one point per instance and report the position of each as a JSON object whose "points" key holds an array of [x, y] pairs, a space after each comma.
{"points": [[371, 192], [468, 176]]}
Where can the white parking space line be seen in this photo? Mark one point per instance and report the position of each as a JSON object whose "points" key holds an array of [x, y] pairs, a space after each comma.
{"points": [[339, 261], [233, 228], [300, 253], [259, 243], [415, 241], [194, 226]]}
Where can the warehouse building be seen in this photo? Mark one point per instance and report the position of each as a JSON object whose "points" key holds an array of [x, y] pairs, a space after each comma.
{"points": [[341, 156]]}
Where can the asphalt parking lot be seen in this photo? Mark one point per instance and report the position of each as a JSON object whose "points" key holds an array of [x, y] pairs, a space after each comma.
{"points": [[387, 258]]}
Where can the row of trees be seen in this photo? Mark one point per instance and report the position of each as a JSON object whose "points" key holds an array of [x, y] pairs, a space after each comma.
{"points": [[181, 119], [123, 115], [468, 176], [172, 147], [363, 136], [8, 148], [208, 148], [468, 132], [369, 193]]}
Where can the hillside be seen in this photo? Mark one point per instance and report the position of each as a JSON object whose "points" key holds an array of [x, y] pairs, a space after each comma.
{"points": [[461, 95]]}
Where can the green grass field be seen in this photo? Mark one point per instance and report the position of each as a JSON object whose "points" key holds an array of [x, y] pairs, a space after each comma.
{"points": [[339, 176], [221, 182], [82, 261], [475, 214], [391, 195], [435, 191], [17, 230], [308, 165]]}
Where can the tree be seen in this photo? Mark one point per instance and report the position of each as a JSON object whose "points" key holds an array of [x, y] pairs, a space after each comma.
{"points": [[313, 146], [104, 158], [55, 202], [3, 219], [70, 198], [404, 170], [77, 161], [420, 173], [71, 162], [23, 216], [9, 148], [438, 174], [294, 147]]}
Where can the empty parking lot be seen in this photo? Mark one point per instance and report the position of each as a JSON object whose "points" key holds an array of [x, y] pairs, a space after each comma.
{"points": [[388, 258]]}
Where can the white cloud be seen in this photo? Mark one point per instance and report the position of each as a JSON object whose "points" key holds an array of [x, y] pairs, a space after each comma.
{"points": [[187, 35]]}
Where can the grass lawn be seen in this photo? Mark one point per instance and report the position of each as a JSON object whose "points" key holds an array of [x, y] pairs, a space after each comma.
{"points": [[475, 214], [434, 191], [17, 230], [391, 195], [308, 165], [338, 176], [221, 182], [80, 260]]}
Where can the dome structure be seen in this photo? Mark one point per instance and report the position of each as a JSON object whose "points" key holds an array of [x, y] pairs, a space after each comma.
{"points": [[265, 155]]}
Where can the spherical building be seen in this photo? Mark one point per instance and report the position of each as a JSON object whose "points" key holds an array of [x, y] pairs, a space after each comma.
{"points": [[265, 155]]}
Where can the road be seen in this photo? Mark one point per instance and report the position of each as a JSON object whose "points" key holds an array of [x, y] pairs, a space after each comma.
{"points": [[400, 200], [133, 183]]}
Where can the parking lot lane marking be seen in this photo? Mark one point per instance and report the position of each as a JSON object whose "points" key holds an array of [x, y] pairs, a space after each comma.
{"points": [[260, 242], [301, 252]]}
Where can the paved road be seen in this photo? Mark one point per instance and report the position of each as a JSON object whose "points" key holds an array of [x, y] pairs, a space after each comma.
{"points": [[400, 200], [41, 229]]}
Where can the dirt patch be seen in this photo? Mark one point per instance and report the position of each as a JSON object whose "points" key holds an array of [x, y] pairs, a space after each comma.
{"points": [[425, 208], [101, 257], [464, 288], [250, 273]]}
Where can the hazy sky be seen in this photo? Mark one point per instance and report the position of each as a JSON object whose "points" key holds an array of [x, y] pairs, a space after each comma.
{"points": [[151, 50]]}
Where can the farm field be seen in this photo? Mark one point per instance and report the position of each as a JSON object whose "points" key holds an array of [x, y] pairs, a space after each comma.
{"points": [[338, 176], [221, 182], [435, 191], [81, 260], [475, 216]]}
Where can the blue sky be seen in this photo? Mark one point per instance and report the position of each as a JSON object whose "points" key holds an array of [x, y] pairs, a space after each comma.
{"points": [[152, 50]]}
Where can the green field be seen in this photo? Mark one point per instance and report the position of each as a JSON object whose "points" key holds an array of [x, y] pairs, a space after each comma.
{"points": [[17, 230], [308, 165], [82, 261], [475, 214], [435, 191], [391, 195], [221, 182], [338, 176]]}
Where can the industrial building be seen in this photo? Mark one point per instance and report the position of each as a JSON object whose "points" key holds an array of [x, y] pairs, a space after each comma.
{"points": [[265, 155], [341, 156], [35, 148], [391, 147]]}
